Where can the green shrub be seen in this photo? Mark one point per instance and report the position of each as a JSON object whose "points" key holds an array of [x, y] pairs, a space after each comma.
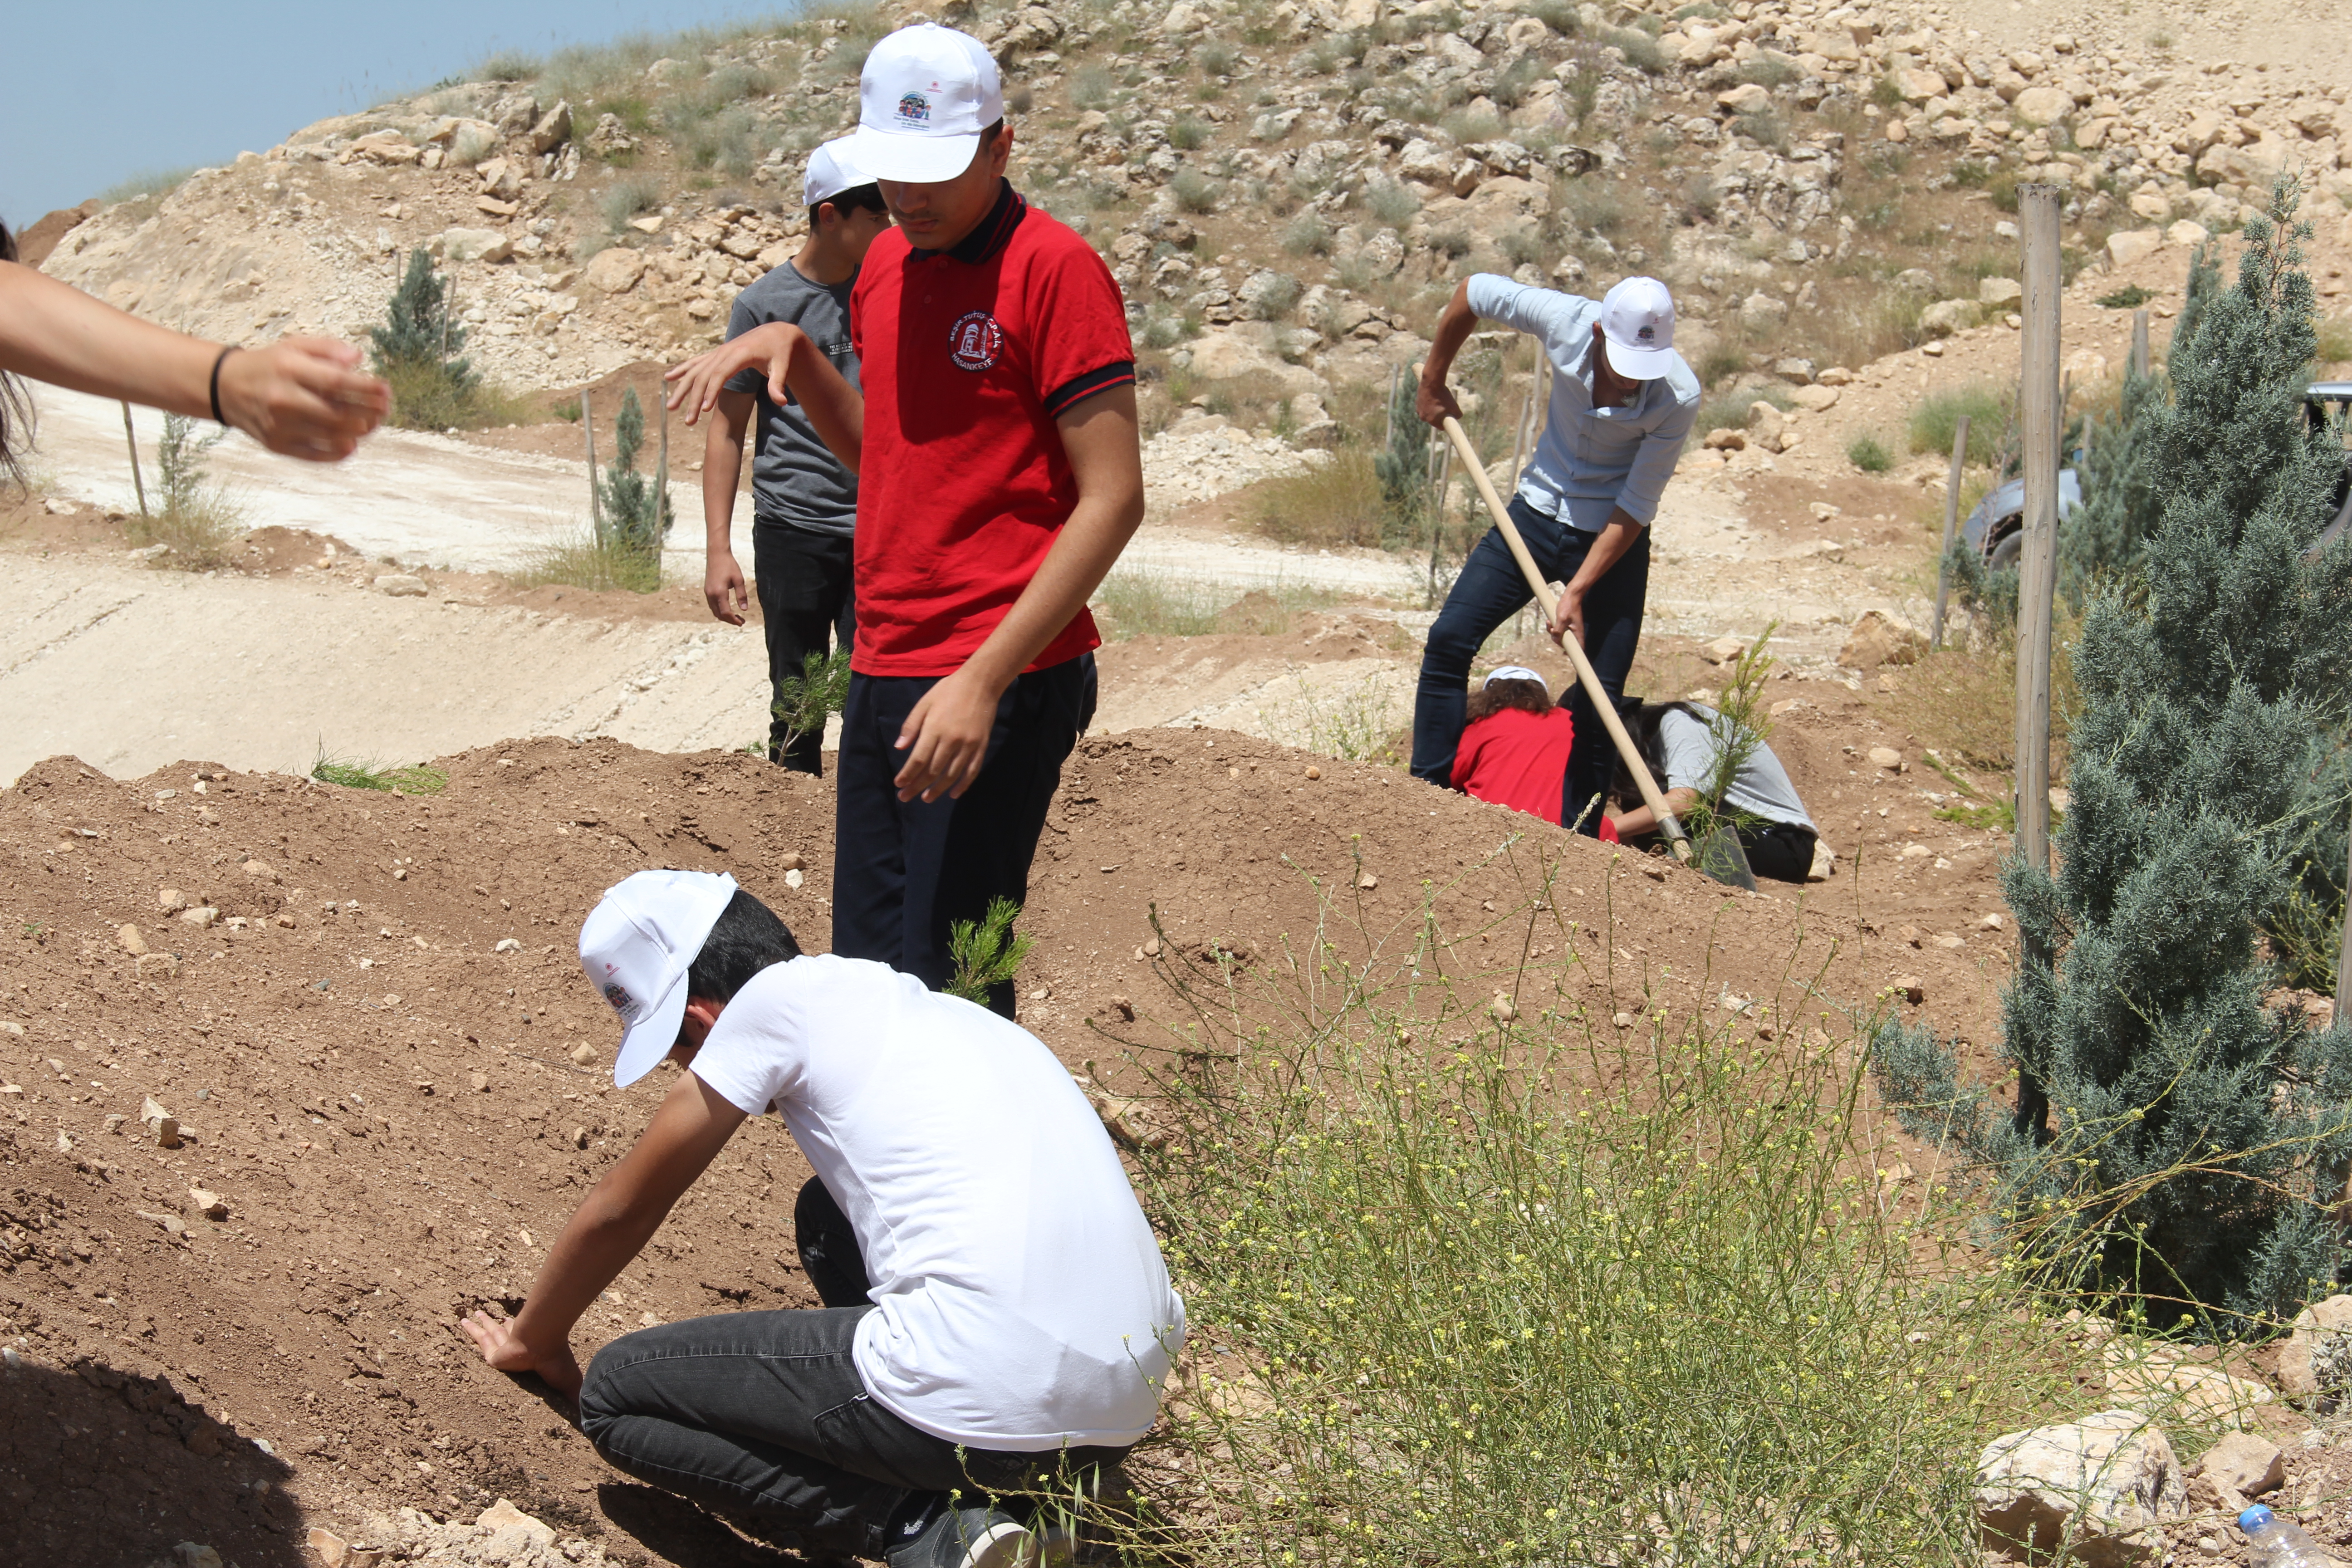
{"points": [[1869, 453], [1932, 421], [1195, 192], [1306, 234], [1091, 87], [2130, 297], [1338, 503], [1730, 410], [586, 560], [1506, 1282], [150, 186], [1214, 59], [1887, 93], [1767, 72], [1188, 133], [1392, 201], [507, 66], [2188, 1142], [353, 772], [1640, 48]]}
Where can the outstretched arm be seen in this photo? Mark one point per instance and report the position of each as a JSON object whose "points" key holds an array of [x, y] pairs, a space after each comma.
{"points": [[303, 397], [1642, 819], [611, 1227], [797, 371]]}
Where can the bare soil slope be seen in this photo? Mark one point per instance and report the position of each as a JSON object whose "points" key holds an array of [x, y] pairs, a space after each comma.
{"points": [[393, 1112]]}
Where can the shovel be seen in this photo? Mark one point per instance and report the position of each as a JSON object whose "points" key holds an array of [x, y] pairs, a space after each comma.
{"points": [[1679, 840]]}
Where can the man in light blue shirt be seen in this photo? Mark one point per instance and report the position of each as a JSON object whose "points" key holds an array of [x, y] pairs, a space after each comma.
{"points": [[1621, 403]]}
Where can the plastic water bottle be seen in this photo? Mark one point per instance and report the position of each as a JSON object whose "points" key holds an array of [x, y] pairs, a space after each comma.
{"points": [[2275, 1543]]}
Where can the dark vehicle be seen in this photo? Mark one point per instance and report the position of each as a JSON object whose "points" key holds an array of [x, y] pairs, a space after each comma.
{"points": [[2326, 405], [1996, 530]]}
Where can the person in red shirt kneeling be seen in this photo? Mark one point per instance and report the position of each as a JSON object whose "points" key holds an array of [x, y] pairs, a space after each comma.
{"points": [[1514, 744]]}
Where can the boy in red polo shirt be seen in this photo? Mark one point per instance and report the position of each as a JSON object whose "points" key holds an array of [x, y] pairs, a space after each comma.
{"points": [[999, 478]]}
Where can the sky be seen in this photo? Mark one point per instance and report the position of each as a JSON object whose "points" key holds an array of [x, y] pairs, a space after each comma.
{"points": [[91, 95]]}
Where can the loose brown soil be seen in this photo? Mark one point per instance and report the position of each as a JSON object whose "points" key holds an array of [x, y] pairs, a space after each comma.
{"points": [[390, 1109]]}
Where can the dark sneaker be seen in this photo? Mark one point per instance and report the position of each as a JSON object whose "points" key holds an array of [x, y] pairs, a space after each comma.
{"points": [[969, 1538]]}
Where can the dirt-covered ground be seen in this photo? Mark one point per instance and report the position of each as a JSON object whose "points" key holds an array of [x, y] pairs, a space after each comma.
{"points": [[386, 1067]]}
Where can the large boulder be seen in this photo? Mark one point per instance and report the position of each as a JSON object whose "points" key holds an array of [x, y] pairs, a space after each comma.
{"points": [[2127, 246], [1919, 83], [2254, 166], [1762, 313], [2245, 1464], [457, 245], [1945, 317], [1427, 163], [553, 128], [1228, 354], [2104, 1485], [2315, 1365], [2153, 1379]]}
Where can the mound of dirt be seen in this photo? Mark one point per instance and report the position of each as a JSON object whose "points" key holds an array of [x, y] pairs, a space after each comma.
{"points": [[391, 1086]]}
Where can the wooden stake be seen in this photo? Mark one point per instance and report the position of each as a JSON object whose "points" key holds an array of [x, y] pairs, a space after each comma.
{"points": [[137, 483], [1444, 456], [1388, 442], [588, 428], [2039, 410], [1951, 525], [2139, 342], [1601, 700]]}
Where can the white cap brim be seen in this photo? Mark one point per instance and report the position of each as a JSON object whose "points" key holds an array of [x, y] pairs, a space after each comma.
{"points": [[650, 1038], [913, 160], [1638, 365]]}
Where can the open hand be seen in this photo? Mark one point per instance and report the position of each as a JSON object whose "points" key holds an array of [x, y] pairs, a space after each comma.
{"points": [[505, 1351], [303, 397], [697, 383], [946, 738]]}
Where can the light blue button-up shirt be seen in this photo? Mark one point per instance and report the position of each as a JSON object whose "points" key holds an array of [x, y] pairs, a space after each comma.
{"points": [[1591, 460]]}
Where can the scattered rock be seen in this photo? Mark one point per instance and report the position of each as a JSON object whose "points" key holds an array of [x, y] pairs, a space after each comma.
{"points": [[507, 944], [1724, 649], [131, 940], [2244, 1463], [331, 1550], [1815, 399], [400, 586], [202, 917], [2109, 1480], [158, 966], [1996, 291], [171, 900], [1909, 987], [554, 128], [1886, 757], [2315, 1365], [1945, 317], [460, 244], [2126, 246], [586, 1055], [161, 1126], [1878, 639], [207, 1203], [615, 270]]}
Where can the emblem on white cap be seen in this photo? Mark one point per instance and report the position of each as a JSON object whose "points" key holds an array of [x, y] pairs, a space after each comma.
{"points": [[925, 96], [635, 948], [1637, 318]]}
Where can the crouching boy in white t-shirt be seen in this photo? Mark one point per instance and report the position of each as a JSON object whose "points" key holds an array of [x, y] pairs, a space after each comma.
{"points": [[996, 1311]]}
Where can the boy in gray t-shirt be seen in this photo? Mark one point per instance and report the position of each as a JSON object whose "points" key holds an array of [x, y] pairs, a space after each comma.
{"points": [[804, 502]]}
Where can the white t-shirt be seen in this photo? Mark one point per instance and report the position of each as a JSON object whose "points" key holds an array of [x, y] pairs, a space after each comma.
{"points": [[1021, 1302]]}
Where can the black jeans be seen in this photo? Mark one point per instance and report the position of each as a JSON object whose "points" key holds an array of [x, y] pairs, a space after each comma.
{"points": [[1780, 850], [1489, 592], [803, 583], [903, 872], [761, 1417]]}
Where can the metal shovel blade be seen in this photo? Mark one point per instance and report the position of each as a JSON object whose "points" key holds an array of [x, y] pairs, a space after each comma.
{"points": [[1721, 858]]}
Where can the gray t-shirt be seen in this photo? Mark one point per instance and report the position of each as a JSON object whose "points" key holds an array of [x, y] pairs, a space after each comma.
{"points": [[1761, 788], [795, 479]]}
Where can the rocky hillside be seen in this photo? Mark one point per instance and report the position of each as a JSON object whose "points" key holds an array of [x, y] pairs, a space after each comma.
{"points": [[1286, 195]]}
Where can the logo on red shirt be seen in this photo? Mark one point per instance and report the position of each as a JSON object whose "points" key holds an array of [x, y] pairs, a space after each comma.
{"points": [[975, 341]]}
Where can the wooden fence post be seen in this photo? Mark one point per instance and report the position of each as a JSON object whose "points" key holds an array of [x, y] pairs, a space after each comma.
{"points": [[2040, 412], [132, 438], [588, 428], [1951, 523], [661, 473], [2139, 342]]}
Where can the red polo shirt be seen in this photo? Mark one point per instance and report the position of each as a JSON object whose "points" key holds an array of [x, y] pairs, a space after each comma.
{"points": [[968, 356]]}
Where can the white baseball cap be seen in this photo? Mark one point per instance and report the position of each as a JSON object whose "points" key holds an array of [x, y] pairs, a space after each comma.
{"points": [[831, 171], [635, 947], [1637, 317], [1513, 672], [925, 96]]}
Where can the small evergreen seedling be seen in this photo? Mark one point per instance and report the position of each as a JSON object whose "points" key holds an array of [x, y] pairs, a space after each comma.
{"points": [[2179, 1142], [417, 348], [986, 952], [636, 519], [804, 701]]}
